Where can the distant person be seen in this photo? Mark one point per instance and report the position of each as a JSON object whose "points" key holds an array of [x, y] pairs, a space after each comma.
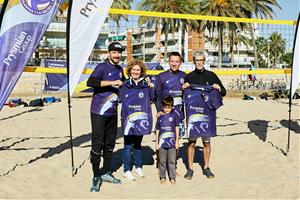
{"points": [[201, 76], [106, 79], [167, 140], [136, 96], [252, 77]]}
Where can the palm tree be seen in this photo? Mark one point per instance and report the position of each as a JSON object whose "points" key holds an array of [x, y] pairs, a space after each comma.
{"points": [[224, 8], [262, 9], [236, 37], [168, 25], [277, 47], [261, 44]]}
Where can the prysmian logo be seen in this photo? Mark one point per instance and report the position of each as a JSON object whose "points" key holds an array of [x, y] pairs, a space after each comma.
{"points": [[38, 7]]}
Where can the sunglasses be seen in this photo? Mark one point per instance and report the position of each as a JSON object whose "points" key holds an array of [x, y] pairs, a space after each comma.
{"points": [[199, 60]]}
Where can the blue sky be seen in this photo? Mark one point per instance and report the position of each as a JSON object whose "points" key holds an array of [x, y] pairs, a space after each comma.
{"points": [[290, 10]]}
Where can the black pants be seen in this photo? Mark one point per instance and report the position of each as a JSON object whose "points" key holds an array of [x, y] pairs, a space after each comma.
{"points": [[104, 134]]}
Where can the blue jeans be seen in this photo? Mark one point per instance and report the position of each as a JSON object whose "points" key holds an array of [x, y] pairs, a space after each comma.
{"points": [[135, 141]]}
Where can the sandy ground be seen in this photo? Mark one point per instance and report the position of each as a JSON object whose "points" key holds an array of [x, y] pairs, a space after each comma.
{"points": [[248, 156]]}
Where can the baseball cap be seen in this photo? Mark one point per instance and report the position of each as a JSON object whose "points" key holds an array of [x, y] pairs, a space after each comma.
{"points": [[115, 46]]}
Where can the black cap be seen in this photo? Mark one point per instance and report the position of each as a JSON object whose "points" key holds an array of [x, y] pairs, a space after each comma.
{"points": [[115, 46]]}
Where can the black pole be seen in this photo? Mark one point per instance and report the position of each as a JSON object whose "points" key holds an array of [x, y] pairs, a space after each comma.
{"points": [[68, 83], [291, 95], [4, 5]]}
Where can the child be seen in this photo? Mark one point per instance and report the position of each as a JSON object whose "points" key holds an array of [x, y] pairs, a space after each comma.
{"points": [[167, 135]]}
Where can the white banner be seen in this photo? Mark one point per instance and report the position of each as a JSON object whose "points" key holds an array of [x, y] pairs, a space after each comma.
{"points": [[296, 61], [86, 20]]}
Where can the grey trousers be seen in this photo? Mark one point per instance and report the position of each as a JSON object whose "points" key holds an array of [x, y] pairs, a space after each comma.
{"points": [[167, 162]]}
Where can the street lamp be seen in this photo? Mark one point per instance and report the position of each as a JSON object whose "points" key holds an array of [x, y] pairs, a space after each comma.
{"points": [[237, 47], [268, 59], [54, 52], [144, 44]]}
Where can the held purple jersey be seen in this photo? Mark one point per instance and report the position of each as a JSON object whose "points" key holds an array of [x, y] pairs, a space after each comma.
{"points": [[136, 111], [105, 102], [201, 102], [166, 125], [171, 84]]}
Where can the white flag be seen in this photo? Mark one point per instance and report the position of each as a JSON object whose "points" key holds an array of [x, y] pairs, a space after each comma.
{"points": [[296, 61], [86, 20]]}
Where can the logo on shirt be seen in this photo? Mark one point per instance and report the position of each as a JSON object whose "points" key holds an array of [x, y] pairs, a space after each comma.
{"points": [[206, 98], [189, 96], [120, 75], [141, 95], [170, 119], [181, 80], [109, 74]]}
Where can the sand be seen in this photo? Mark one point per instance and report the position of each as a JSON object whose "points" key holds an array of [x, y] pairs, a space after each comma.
{"points": [[248, 156]]}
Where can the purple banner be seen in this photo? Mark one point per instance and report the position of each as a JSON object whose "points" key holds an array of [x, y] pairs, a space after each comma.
{"points": [[58, 82], [23, 25]]}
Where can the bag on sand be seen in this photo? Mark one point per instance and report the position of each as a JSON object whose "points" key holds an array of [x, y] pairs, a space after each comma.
{"points": [[36, 102]]}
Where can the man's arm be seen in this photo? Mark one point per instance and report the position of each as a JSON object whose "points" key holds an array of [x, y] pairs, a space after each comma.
{"points": [[221, 87], [94, 82], [177, 137]]}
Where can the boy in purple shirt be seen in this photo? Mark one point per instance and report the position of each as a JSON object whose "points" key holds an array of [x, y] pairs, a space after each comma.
{"points": [[167, 140]]}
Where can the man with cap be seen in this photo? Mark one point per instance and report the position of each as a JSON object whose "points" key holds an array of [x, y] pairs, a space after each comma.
{"points": [[105, 80]]}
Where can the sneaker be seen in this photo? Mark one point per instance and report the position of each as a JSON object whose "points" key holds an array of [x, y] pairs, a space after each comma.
{"points": [[139, 172], [108, 177], [208, 173], [189, 174], [96, 184], [128, 176]]}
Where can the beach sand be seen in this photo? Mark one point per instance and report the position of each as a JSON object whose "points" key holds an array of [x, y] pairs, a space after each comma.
{"points": [[248, 156]]}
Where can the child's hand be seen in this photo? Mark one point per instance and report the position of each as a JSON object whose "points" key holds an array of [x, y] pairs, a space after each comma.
{"points": [[160, 113]]}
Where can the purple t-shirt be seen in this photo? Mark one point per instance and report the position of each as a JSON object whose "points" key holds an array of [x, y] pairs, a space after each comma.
{"points": [[166, 125], [105, 99], [136, 111], [169, 83], [201, 103]]}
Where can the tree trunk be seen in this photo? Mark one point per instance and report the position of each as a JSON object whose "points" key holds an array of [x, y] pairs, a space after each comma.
{"points": [[166, 48], [182, 41], [254, 46], [220, 47], [232, 48]]}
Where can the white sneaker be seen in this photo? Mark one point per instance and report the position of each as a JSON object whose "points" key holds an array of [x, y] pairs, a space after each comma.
{"points": [[139, 172], [128, 176]]}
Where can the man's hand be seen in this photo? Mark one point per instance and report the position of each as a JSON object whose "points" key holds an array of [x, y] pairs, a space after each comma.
{"points": [[177, 145], [117, 83], [217, 87], [150, 84], [185, 85]]}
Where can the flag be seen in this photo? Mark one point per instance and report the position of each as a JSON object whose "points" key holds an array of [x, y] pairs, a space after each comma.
{"points": [[296, 61], [22, 27], [86, 20]]}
